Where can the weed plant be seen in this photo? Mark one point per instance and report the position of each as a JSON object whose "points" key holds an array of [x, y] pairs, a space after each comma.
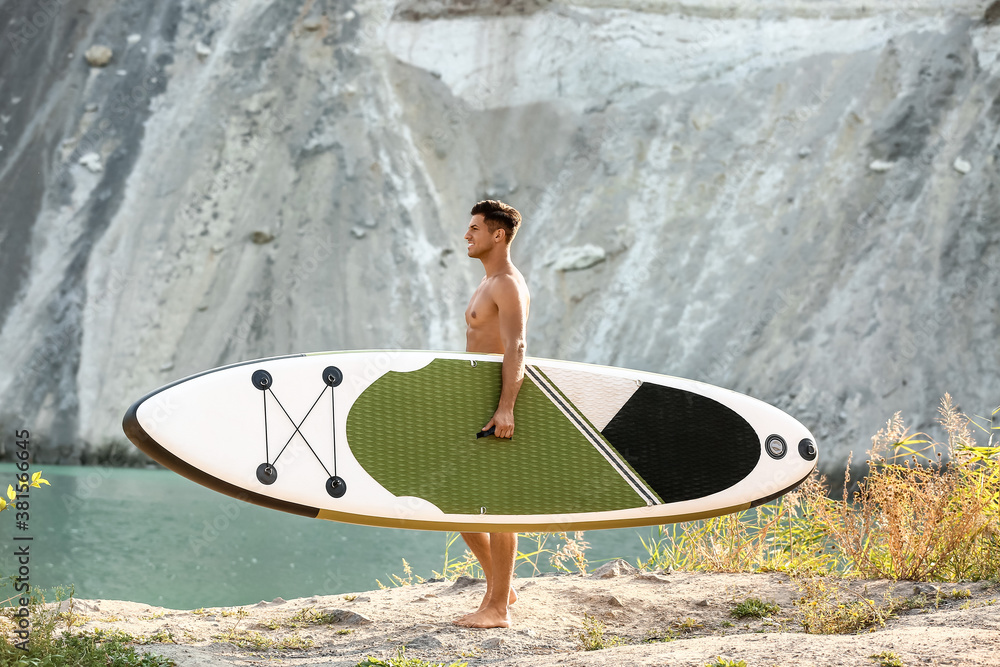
{"points": [[825, 611], [50, 646], [402, 661], [593, 637], [658, 635], [726, 662], [754, 608], [406, 579], [310, 616], [926, 511], [688, 624], [886, 659]]}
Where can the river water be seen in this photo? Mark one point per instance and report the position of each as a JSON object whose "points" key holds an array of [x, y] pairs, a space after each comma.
{"points": [[153, 536]]}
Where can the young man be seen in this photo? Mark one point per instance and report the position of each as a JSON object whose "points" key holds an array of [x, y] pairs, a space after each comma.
{"points": [[496, 320]]}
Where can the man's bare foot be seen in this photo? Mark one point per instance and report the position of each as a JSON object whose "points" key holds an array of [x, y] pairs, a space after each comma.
{"points": [[511, 599], [487, 618]]}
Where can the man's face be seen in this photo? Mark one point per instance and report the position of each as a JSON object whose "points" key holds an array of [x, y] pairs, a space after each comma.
{"points": [[479, 237]]}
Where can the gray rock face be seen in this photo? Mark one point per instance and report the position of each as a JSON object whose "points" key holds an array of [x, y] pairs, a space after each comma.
{"points": [[718, 154], [576, 258]]}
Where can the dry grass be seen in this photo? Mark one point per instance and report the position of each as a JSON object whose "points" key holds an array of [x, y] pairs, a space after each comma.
{"points": [[568, 555], [926, 510], [827, 608], [782, 535]]}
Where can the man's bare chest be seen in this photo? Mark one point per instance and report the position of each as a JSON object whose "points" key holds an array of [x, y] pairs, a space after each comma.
{"points": [[481, 306]]}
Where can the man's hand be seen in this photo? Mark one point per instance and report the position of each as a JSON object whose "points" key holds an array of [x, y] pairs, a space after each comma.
{"points": [[503, 420]]}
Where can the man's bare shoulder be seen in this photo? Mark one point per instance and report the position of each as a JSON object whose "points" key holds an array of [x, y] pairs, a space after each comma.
{"points": [[510, 281], [508, 287]]}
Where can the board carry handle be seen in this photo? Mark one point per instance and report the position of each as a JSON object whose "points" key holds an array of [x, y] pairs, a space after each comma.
{"points": [[483, 434]]}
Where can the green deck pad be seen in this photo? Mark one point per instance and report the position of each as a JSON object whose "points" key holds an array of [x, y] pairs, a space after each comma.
{"points": [[415, 433]]}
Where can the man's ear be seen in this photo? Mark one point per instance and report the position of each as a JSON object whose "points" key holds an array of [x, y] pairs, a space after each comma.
{"points": [[499, 235]]}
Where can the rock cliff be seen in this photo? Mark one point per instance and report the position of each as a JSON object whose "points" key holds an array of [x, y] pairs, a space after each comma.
{"points": [[797, 200]]}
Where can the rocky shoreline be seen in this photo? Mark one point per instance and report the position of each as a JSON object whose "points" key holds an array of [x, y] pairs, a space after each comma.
{"points": [[678, 618]]}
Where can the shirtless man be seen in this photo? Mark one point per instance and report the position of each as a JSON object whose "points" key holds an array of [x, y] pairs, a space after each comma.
{"points": [[496, 317]]}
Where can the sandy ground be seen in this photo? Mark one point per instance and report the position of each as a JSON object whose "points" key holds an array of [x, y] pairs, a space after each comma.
{"points": [[548, 619]]}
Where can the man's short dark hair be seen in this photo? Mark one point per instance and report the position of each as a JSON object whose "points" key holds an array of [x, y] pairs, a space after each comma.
{"points": [[497, 214]]}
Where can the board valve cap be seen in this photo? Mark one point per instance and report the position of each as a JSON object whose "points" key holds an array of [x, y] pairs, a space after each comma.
{"points": [[775, 446]]}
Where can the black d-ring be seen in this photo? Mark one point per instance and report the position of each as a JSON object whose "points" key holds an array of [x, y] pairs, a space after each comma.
{"points": [[336, 486], [332, 376], [261, 379], [266, 473], [807, 449]]}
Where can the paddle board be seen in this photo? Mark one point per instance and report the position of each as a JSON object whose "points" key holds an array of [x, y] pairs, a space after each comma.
{"points": [[393, 438]]}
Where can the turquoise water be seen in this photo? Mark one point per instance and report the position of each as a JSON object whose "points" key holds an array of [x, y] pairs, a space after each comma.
{"points": [[153, 536]]}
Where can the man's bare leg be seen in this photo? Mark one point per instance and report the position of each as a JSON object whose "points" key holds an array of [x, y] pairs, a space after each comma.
{"points": [[496, 553], [479, 543]]}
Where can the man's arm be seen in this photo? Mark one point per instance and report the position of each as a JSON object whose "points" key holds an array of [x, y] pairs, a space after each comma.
{"points": [[511, 312]]}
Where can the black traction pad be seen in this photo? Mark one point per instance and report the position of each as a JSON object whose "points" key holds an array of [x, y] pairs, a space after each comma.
{"points": [[683, 445]]}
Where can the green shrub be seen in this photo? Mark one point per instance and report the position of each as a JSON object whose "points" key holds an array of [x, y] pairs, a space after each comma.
{"points": [[402, 661], [593, 638], [754, 608]]}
